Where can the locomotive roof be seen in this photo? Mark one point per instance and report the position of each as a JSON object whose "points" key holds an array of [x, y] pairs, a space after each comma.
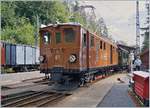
{"points": [[78, 24], [106, 40], [61, 24]]}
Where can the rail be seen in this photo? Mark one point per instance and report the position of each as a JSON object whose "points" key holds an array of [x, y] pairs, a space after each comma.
{"points": [[32, 98]]}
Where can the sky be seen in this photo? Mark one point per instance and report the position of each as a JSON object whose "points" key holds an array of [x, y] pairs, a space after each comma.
{"points": [[119, 17]]}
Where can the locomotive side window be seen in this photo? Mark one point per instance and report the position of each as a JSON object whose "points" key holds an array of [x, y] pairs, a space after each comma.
{"points": [[47, 37], [104, 45], [84, 39], [92, 41], [69, 35], [58, 37], [101, 44]]}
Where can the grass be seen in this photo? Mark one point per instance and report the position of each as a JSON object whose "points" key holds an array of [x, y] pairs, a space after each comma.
{"points": [[7, 70]]}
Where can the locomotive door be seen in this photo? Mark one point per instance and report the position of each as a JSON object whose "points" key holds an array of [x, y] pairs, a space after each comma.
{"points": [[57, 57], [58, 50], [84, 38]]}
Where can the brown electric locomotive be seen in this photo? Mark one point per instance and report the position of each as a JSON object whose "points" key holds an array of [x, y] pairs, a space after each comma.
{"points": [[70, 52]]}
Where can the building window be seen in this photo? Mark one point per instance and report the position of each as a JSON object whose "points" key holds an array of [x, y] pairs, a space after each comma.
{"points": [[58, 37], [69, 35]]}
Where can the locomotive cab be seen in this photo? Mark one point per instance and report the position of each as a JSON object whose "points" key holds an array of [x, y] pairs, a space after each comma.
{"points": [[60, 50]]}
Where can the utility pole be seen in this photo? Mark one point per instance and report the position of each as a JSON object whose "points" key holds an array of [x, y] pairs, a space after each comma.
{"points": [[137, 29], [37, 31], [36, 36], [148, 13]]}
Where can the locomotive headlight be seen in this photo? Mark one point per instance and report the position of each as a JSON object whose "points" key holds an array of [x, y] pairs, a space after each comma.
{"points": [[72, 58], [41, 58]]}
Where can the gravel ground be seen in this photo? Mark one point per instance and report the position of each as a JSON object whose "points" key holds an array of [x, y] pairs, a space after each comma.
{"points": [[91, 96], [15, 78], [106, 92], [23, 89]]}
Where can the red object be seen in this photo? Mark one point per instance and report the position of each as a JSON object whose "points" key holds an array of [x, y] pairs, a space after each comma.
{"points": [[141, 84], [2, 46], [98, 77]]}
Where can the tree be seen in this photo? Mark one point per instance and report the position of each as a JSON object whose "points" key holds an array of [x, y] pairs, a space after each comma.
{"points": [[22, 34], [48, 11], [7, 14], [19, 18]]}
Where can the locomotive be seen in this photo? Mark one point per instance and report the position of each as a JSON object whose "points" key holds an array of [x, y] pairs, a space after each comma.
{"points": [[70, 52]]}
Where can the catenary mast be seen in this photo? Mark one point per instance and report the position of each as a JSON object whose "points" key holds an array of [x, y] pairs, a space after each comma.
{"points": [[137, 28]]}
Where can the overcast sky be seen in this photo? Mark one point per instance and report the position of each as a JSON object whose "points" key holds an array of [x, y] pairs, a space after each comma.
{"points": [[119, 17]]}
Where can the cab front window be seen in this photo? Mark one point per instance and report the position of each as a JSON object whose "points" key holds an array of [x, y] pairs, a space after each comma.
{"points": [[47, 38], [58, 37], [69, 34]]}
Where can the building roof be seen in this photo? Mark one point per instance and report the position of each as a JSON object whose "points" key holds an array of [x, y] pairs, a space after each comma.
{"points": [[127, 47]]}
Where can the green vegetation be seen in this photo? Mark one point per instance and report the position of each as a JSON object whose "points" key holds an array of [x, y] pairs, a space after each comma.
{"points": [[20, 34], [76, 17], [19, 18]]}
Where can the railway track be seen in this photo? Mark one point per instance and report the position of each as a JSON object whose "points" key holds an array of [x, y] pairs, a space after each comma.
{"points": [[32, 99], [27, 84]]}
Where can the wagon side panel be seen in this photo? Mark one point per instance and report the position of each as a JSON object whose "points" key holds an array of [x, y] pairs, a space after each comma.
{"points": [[2, 46], [13, 55], [33, 55], [8, 59], [37, 55], [28, 55], [20, 60]]}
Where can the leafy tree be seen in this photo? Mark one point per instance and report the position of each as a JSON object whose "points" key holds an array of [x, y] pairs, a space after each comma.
{"points": [[76, 17], [7, 14], [22, 34], [48, 11], [19, 18]]}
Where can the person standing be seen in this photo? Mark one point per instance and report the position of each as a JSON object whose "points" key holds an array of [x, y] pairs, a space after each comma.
{"points": [[137, 64]]}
